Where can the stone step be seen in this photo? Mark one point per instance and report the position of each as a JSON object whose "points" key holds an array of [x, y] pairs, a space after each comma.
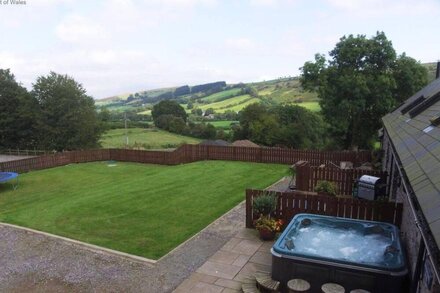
{"points": [[249, 285], [265, 281]]}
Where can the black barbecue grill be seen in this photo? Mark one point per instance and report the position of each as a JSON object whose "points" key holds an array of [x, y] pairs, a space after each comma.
{"points": [[370, 187]]}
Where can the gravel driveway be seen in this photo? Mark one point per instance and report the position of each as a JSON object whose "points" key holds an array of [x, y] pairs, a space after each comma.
{"points": [[32, 262]]}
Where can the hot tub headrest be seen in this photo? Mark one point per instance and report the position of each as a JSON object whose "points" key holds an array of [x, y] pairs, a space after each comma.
{"points": [[289, 244], [375, 229], [306, 222]]}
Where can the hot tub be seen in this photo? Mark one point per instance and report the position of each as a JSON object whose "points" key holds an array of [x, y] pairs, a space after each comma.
{"points": [[353, 253]]}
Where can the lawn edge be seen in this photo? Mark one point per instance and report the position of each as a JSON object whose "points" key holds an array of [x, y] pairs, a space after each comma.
{"points": [[206, 228], [87, 246], [213, 222]]}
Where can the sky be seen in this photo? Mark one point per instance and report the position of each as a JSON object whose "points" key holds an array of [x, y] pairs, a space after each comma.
{"points": [[121, 46]]}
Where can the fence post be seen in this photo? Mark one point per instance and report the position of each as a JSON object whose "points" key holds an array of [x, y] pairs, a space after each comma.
{"points": [[302, 175], [249, 215]]}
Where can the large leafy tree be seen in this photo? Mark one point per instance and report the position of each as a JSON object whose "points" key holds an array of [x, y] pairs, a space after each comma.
{"points": [[18, 114], [300, 128], [361, 82], [167, 109], [170, 108], [69, 120], [286, 125], [257, 124], [410, 76]]}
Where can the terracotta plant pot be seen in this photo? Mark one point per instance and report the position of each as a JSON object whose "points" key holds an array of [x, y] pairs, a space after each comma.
{"points": [[266, 234]]}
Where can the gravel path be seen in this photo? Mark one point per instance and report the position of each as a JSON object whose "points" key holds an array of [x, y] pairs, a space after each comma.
{"points": [[32, 262]]}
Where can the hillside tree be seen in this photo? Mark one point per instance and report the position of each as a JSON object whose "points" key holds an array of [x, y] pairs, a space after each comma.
{"points": [[360, 83], [69, 120], [300, 128], [169, 108], [283, 125]]}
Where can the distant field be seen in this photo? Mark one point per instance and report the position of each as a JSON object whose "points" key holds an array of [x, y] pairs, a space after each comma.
{"points": [[222, 124], [234, 104], [312, 106], [144, 139], [225, 124], [284, 91], [120, 108], [147, 112], [218, 96], [240, 107]]}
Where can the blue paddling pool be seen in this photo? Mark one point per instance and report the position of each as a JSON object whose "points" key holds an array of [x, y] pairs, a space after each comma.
{"points": [[6, 176]]}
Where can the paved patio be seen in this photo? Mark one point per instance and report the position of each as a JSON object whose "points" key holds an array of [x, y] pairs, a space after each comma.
{"points": [[241, 256]]}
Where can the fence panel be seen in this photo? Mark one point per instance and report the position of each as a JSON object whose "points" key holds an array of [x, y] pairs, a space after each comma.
{"points": [[187, 154], [307, 177], [292, 203]]}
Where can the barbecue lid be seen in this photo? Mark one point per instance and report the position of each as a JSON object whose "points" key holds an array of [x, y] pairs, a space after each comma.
{"points": [[368, 179]]}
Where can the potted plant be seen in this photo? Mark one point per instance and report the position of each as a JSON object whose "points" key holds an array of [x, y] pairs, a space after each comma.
{"points": [[264, 205], [326, 188], [268, 227]]}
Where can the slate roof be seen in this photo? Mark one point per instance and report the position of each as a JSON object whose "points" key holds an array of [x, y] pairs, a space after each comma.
{"points": [[419, 153]]}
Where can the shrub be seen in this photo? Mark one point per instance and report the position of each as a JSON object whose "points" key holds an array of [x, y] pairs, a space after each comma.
{"points": [[326, 187], [264, 204]]}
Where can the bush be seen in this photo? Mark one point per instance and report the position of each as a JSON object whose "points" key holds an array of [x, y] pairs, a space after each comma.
{"points": [[264, 204], [326, 187]]}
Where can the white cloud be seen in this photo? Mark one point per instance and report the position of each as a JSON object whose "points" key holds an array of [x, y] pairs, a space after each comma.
{"points": [[263, 2], [374, 8], [78, 29], [242, 44], [9, 60], [186, 3], [48, 3]]}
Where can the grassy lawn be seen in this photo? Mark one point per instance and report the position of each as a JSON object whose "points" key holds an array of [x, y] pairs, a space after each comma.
{"points": [[145, 210], [144, 138]]}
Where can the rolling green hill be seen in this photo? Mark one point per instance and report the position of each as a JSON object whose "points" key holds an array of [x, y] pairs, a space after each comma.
{"points": [[220, 98]]}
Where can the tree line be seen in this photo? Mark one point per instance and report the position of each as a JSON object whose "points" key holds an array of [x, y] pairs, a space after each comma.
{"points": [[360, 81], [57, 114], [170, 116]]}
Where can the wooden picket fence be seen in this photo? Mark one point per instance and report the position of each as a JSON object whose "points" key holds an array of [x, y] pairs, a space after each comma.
{"points": [[291, 203], [308, 176], [187, 154]]}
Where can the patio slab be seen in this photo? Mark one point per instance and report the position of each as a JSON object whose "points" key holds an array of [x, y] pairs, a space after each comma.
{"points": [[240, 257]]}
